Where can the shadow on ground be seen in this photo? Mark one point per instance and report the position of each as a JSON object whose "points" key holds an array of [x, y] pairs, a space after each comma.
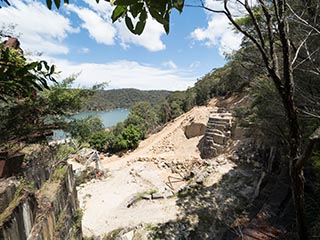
{"points": [[209, 211]]}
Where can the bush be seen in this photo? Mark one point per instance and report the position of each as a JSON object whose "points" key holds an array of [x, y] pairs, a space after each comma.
{"points": [[83, 129], [128, 139], [98, 140]]}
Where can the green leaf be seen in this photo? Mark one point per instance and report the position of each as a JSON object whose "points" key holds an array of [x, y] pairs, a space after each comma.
{"points": [[140, 27], [49, 4], [135, 9], [143, 15], [117, 12], [57, 3], [166, 24], [125, 2], [129, 24], [52, 69], [178, 4], [66, 1], [156, 15]]}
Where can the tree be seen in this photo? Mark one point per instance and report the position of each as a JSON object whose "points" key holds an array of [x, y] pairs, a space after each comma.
{"points": [[19, 78], [269, 32], [83, 129]]}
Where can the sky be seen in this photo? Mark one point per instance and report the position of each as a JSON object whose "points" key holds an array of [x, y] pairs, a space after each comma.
{"points": [[80, 37]]}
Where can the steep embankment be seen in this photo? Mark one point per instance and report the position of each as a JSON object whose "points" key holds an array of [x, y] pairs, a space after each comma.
{"points": [[167, 184]]}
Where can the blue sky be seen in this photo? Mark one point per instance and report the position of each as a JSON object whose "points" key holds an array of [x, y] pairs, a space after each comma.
{"points": [[80, 38]]}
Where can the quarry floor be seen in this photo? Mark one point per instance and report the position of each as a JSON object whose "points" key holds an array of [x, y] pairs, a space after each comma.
{"points": [[157, 166]]}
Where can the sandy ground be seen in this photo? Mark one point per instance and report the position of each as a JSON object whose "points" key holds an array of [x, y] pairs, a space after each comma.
{"points": [[105, 201]]}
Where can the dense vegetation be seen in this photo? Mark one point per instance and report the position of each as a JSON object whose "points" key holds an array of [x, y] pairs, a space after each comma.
{"points": [[121, 98], [279, 62], [146, 118], [277, 66]]}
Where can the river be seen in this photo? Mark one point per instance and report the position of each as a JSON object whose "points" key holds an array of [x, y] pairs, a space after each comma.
{"points": [[109, 119]]}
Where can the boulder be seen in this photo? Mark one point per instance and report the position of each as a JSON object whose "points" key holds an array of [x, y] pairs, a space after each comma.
{"points": [[195, 130]]}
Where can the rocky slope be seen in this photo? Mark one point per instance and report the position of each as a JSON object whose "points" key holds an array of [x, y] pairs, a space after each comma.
{"points": [[172, 186]]}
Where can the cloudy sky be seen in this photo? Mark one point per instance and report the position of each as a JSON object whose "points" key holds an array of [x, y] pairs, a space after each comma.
{"points": [[81, 38]]}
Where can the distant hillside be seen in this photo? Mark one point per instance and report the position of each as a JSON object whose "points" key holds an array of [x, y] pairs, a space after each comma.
{"points": [[122, 98]]}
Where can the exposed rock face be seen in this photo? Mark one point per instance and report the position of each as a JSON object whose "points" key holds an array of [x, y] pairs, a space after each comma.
{"points": [[7, 190], [217, 133], [194, 130], [10, 163], [47, 210]]}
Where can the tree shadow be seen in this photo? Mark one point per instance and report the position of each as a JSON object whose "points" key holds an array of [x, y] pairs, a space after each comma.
{"points": [[209, 211]]}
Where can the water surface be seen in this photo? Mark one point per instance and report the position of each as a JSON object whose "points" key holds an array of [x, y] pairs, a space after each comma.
{"points": [[109, 119]]}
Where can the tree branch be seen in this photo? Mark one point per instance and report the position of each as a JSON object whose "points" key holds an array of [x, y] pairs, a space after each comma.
{"points": [[305, 22], [299, 48]]}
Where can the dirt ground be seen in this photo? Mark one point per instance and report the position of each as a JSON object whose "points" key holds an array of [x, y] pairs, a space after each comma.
{"points": [[143, 170], [159, 165]]}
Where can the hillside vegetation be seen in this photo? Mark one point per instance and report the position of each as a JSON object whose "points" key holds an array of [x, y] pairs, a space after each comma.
{"points": [[276, 69], [122, 98]]}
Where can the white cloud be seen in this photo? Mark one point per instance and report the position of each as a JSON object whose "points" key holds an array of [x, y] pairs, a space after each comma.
{"points": [[170, 64], [41, 29], [194, 64], [219, 32], [126, 74], [97, 20], [150, 38], [85, 50], [99, 29]]}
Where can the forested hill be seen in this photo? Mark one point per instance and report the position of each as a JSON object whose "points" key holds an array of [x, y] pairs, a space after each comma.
{"points": [[122, 98]]}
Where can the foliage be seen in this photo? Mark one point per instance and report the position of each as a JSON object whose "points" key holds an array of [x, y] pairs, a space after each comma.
{"points": [[121, 98], [98, 140], [19, 78], [83, 129], [33, 116], [61, 98], [136, 11], [64, 151], [77, 219], [59, 174], [144, 116], [128, 139]]}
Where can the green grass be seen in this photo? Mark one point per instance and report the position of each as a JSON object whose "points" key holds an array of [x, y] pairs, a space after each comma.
{"points": [[59, 174]]}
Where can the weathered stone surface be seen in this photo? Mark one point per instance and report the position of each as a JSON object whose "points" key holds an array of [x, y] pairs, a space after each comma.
{"points": [[10, 164], [18, 217], [195, 130], [219, 138], [7, 191], [217, 134], [51, 213]]}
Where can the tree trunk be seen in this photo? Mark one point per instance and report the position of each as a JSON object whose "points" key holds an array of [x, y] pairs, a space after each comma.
{"points": [[297, 185], [296, 173]]}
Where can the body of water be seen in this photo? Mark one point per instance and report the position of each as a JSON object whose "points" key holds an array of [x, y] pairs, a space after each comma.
{"points": [[109, 119]]}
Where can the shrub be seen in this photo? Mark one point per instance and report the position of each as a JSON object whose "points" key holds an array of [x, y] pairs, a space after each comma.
{"points": [[128, 139], [83, 129], [98, 140]]}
